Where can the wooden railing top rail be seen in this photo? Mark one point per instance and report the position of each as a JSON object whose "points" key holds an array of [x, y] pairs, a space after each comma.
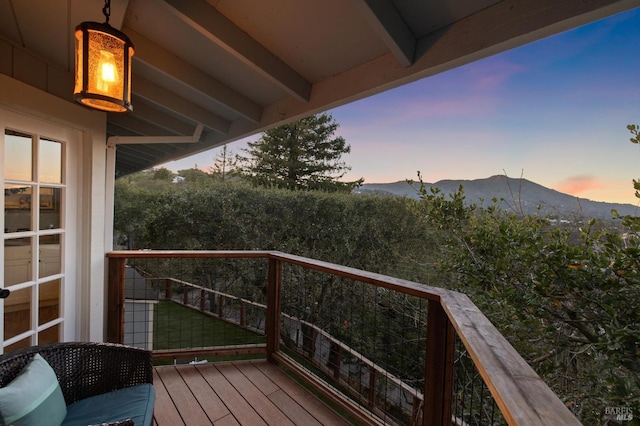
{"points": [[521, 395], [404, 286], [152, 254], [397, 284]]}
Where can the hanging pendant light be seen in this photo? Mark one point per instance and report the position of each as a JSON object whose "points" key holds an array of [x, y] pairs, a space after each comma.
{"points": [[103, 66]]}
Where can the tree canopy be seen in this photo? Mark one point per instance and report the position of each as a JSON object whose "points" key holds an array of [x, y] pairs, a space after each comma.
{"points": [[565, 296], [303, 155]]}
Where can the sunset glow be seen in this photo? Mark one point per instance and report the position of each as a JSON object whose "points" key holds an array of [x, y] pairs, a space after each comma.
{"points": [[554, 112]]}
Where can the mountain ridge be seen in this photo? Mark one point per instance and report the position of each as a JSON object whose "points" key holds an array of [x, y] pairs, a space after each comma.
{"points": [[517, 194]]}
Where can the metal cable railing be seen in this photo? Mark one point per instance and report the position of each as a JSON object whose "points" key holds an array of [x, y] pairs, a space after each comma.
{"points": [[389, 351]]}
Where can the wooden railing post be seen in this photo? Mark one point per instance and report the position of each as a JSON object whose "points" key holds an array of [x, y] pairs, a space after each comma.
{"points": [[372, 386], [243, 314], [518, 392], [439, 367], [115, 301], [273, 308], [167, 289]]}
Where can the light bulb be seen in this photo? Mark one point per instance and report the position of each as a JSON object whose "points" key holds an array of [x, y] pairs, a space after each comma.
{"points": [[107, 71]]}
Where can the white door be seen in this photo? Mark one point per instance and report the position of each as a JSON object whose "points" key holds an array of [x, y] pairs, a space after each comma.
{"points": [[39, 169]]}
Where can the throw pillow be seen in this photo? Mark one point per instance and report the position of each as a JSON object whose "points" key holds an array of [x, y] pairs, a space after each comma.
{"points": [[34, 397]]}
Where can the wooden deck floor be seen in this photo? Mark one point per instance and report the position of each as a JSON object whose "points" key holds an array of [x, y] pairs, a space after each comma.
{"points": [[235, 393]]}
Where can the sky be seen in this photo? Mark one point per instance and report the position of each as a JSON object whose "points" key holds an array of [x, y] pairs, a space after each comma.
{"points": [[554, 112]]}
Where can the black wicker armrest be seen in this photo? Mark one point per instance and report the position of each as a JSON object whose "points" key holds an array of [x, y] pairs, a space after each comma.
{"points": [[85, 369]]}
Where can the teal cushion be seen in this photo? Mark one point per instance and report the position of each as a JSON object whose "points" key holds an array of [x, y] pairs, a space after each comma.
{"points": [[135, 402], [34, 397]]}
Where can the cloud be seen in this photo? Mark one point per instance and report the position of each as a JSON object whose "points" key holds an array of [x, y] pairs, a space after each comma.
{"points": [[575, 185], [492, 73], [471, 91]]}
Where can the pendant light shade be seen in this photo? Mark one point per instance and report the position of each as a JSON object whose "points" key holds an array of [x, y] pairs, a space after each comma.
{"points": [[103, 67]]}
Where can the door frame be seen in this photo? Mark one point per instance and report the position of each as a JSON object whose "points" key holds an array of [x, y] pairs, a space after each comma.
{"points": [[70, 214]]}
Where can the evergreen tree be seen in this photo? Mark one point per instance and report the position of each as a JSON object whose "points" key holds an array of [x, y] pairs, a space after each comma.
{"points": [[224, 165], [301, 155]]}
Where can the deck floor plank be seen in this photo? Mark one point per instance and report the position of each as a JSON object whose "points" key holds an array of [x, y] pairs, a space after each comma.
{"points": [[242, 410], [313, 405], [292, 409], [164, 412], [259, 401], [235, 394], [182, 397], [206, 397], [258, 377], [228, 420]]}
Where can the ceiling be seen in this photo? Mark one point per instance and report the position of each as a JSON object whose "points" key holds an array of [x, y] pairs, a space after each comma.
{"points": [[209, 72]]}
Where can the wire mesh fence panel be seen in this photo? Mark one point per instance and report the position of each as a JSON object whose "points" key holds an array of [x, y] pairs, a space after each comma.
{"points": [[368, 342], [472, 403], [194, 303], [363, 334]]}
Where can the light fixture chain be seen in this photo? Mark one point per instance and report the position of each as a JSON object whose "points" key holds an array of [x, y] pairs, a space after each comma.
{"points": [[106, 10]]}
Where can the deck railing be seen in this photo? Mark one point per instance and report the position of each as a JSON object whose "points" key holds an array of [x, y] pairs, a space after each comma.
{"points": [[388, 351]]}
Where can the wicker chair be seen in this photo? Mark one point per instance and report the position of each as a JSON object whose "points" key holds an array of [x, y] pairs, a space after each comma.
{"points": [[84, 369]]}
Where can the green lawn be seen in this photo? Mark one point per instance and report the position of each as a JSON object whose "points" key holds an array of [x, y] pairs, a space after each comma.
{"points": [[179, 327]]}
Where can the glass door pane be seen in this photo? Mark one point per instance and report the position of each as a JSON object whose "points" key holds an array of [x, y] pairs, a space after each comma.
{"points": [[50, 207], [17, 313], [17, 208], [50, 164], [18, 156], [33, 175]]}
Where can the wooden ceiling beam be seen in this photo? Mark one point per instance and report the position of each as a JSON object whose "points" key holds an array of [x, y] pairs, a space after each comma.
{"points": [[179, 105], [212, 24], [385, 19], [182, 71], [138, 126], [161, 119], [498, 28]]}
